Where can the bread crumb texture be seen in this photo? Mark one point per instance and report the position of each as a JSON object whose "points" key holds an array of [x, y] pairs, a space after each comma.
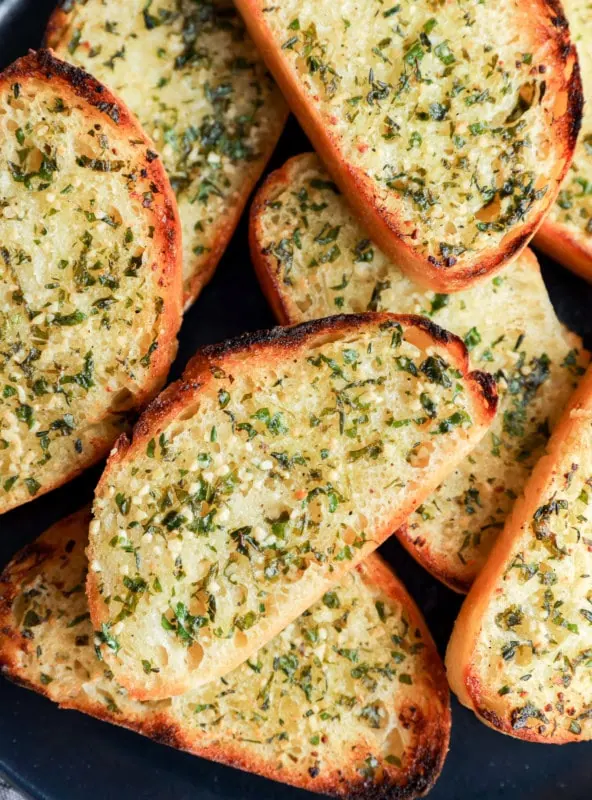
{"points": [[317, 260], [531, 664], [447, 108], [87, 255], [351, 696], [193, 77], [574, 203], [254, 485]]}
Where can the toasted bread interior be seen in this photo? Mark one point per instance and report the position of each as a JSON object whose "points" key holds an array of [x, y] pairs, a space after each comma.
{"points": [[89, 250], [448, 124], [350, 697], [314, 259], [195, 80], [521, 653], [277, 463]]}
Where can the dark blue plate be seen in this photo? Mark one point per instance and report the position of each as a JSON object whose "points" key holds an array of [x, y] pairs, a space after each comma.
{"points": [[61, 755]]}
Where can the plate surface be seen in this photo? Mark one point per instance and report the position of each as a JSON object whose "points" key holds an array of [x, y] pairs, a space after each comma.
{"points": [[61, 755]]}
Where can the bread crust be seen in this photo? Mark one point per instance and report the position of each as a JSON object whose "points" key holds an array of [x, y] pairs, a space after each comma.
{"points": [[432, 729], [385, 227], [57, 35], [271, 347], [564, 245], [74, 82], [567, 241], [463, 675]]}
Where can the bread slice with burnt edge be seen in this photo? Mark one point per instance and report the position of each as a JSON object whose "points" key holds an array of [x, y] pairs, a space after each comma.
{"points": [[566, 233], [521, 650], [449, 126], [278, 463], [194, 78], [313, 258], [90, 249], [351, 699]]}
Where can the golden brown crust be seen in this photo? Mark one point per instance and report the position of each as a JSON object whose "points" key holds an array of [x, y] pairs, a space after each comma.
{"points": [[43, 65], [564, 245], [384, 226], [58, 32], [271, 346], [431, 727], [463, 676]]}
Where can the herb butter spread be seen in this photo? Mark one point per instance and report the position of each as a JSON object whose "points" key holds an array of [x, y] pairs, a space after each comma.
{"points": [[194, 79], [281, 462], [351, 693], [322, 262], [87, 320]]}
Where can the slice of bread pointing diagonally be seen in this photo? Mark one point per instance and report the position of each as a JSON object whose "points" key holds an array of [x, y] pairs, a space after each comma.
{"points": [[194, 79], [278, 462], [314, 259], [350, 699], [566, 233], [448, 125], [521, 650], [89, 252]]}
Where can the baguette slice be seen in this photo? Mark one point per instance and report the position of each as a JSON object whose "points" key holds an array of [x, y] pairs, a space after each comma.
{"points": [[90, 250], [521, 650], [566, 233], [449, 126], [351, 699], [201, 91], [279, 462], [314, 259]]}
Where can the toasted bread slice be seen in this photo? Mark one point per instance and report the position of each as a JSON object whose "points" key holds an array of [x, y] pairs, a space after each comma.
{"points": [[449, 126], [351, 699], [278, 462], [314, 259], [566, 233], [90, 251], [201, 91], [521, 649]]}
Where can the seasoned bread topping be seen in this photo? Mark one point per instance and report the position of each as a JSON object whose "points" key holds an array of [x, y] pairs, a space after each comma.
{"points": [[194, 79], [279, 463], [88, 254], [350, 694], [316, 260]]}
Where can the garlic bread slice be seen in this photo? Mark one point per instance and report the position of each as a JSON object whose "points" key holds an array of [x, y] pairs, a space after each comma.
{"points": [[350, 699], [278, 462], [90, 273], [566, 233], [448, 125], [314, 259], [193, 77], [521, 650]]}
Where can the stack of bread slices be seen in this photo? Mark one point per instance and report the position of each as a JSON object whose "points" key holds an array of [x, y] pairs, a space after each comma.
{"points": [[223, 593]]}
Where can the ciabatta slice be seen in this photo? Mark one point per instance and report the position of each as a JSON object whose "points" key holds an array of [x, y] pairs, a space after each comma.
{"points": [[351, 699], [448, 125], [279, 462], [521, 652], [90, 273]]}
